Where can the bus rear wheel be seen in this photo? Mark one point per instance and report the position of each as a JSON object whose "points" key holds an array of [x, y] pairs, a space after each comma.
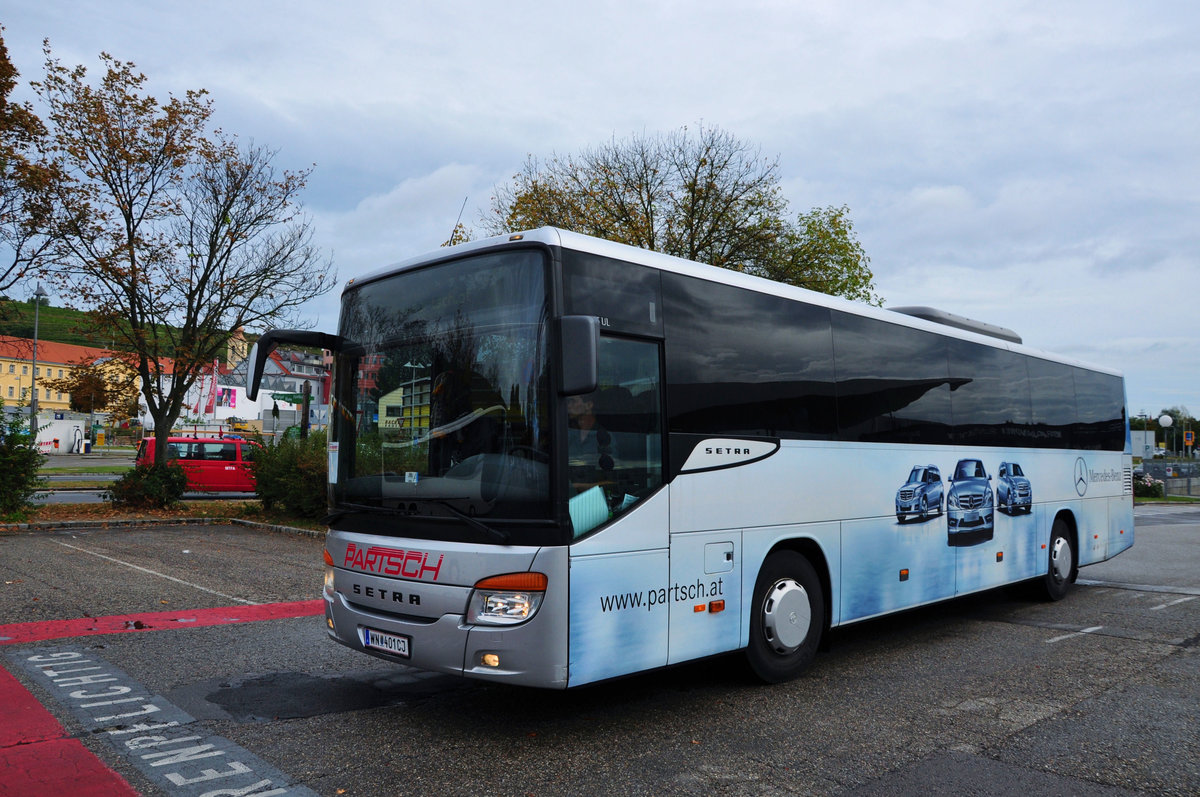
{"points": [[788, 617], [1060, 571]]}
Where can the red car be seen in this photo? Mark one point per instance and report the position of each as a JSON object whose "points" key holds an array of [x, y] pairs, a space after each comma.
{"points": [[212, 464]]}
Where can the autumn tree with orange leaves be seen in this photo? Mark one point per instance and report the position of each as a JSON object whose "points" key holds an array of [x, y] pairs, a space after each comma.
{"points": [[26, 184], [170, 234], [701, 194]]}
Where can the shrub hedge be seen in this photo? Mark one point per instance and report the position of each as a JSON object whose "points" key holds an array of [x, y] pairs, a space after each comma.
{"points": [[293, 475]]}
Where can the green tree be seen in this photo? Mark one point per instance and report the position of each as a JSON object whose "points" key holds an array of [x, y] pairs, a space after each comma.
{"points": [[704, 195], [19, 464], [821, 253], [171, 233]]}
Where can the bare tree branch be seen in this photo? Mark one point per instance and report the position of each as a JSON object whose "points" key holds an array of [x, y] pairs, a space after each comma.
{"points": [[171, 235], [700, 194]]}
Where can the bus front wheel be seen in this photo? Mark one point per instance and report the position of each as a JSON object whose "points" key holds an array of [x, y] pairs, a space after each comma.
{"points": [[788, 617], [1061, 567]]}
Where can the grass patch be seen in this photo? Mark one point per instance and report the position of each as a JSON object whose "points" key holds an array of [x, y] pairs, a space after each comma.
{"points": [[84, 469]]}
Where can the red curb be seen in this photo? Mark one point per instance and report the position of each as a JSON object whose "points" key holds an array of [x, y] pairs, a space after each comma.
{"points": [[58, 768], [22, 718], [36, 758]]}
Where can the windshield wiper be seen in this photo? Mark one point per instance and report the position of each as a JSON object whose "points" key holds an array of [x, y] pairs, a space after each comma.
{"points": [[496, 534], [348, 509], [352, 509]]}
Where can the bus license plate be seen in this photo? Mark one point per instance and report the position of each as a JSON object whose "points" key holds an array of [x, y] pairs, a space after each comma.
{"points": [[390, 643]]}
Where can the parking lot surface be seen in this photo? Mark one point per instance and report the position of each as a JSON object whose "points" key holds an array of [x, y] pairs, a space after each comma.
{"points": [[193, 660]]}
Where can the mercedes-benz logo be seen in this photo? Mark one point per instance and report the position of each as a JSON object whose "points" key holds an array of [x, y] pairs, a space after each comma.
{"points": [[1081, 476]]}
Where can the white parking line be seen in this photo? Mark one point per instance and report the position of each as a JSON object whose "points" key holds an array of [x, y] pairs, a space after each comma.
{"points": [[1091, 630], [1172, 603], [156, 573]]}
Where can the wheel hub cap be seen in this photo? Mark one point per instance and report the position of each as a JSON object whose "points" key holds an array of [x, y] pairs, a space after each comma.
{"points": [[786, 616], [1060, 559]]}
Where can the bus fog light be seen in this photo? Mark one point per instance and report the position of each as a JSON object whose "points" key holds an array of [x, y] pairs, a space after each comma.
{"points": [[490, 660]]}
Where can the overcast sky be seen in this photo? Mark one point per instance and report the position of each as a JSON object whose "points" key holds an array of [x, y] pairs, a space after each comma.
{"points": [[1034, 165]]}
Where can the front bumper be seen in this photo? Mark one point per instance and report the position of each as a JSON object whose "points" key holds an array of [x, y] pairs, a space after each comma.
{"points": [[960, 520], [533, 653]]}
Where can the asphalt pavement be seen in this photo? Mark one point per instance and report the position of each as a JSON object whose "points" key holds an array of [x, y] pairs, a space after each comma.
{"points": [[995, 693]]}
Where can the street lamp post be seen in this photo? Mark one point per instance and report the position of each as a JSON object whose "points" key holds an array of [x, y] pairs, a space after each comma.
{"points": [[1165, 422], [38, 296]]}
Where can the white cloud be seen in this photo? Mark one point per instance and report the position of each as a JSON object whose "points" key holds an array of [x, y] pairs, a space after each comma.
{"points": [[1036, 166]]}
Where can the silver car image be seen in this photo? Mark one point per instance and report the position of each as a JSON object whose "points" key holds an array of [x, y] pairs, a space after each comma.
{"points": [[1013, 491], [970, 509], [922, 495]]}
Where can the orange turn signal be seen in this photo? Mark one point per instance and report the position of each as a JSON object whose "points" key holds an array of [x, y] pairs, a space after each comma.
{"points": [[524, 581], [328, 558]]}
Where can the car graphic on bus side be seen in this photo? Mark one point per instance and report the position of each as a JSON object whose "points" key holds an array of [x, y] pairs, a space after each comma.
{"points": [[1013, 491], [922, 495], [970, 508]]}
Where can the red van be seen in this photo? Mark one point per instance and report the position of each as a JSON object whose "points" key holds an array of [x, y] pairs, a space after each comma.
{"points": [[212, 464]]}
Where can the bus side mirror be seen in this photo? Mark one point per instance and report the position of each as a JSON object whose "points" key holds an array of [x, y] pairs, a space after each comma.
{"points": [[255, 364], [257, 361], [579, 345]]}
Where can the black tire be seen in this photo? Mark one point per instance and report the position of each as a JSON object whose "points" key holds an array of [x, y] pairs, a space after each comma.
{"points": [[783, 640], [1062, 562], [924, 507]]}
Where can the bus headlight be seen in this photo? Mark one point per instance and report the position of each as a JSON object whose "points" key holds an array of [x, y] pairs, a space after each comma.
{"points": [[506, 600]]}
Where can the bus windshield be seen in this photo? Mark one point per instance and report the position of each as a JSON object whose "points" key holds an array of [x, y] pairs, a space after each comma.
{"points": [[441, 401]]}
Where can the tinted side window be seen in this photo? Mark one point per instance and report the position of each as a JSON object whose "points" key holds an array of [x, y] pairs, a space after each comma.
{"points": [[990, 399], [247, 452], [746, 363], [1052, 400], [893, 382], [627, 295], [216, 452], [1100, 400]]}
